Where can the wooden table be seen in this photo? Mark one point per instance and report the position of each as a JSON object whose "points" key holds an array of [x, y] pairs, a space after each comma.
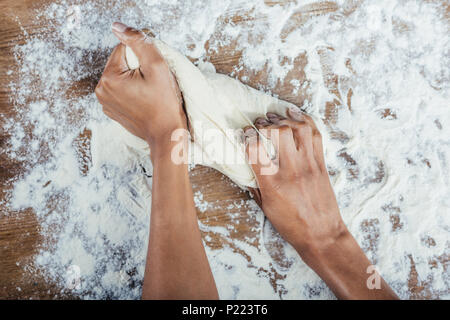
{"points": [[19, 233]]}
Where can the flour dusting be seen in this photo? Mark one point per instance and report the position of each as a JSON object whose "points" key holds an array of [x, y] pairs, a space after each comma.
{"points": [[376, 73]]}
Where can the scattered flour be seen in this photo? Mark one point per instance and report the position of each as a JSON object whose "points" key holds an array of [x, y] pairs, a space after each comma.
{"points": [[377, 74]]}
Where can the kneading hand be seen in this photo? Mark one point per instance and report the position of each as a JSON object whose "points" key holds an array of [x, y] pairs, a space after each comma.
{"points": [[298, 198], [146, 101]]}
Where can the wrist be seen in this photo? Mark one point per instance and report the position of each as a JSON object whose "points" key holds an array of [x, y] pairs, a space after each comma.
{"points": [[343, 266], [170, 146], [318, 252], [330, 259]]}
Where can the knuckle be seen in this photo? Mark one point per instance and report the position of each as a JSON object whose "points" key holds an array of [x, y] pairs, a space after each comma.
{"points": [[133, 36], [158, 62], [288, 122], [284, 128], [317, 134], [308, 117], [305, 129], [105, 80]]}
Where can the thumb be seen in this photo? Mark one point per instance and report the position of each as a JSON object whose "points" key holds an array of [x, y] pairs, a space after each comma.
{"points": [[146, 52]]}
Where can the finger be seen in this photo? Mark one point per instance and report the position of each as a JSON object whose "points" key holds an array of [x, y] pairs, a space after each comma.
{"points": [[264, 131], [116, 63], [284, 147], [262, 122], [141, 45], [303, 128], [274, 117], [296, 114], [292, 124], [282, 138], [106, 92], [276, 131], [251, 145], [256, 154], [303, 135], [318, 151], [280, 120]]}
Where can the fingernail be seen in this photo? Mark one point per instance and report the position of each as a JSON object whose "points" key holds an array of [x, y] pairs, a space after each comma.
{"points": [[275, 118], [295, 113], [262, 121], [250, 132], [119, 27]]}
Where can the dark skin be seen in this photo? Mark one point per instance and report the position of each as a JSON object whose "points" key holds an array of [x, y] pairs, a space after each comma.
{"points": [[298, 198]]}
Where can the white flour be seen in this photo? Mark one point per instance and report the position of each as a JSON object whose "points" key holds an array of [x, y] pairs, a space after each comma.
{"points": [[388, 141]]}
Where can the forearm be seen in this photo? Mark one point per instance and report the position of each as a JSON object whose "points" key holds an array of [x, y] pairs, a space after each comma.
{"points": [[177, 266], [343, 266]]}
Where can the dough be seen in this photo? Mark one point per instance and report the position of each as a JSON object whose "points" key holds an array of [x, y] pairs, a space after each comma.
{"points": [[218, 107]]}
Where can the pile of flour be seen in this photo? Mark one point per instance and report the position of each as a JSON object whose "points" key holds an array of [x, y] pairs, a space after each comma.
{"points": [[380, 69]]}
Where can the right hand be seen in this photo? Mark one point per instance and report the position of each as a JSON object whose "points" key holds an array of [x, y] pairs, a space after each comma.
{"points": [[298, 198], [299, 201], [146, 101]]}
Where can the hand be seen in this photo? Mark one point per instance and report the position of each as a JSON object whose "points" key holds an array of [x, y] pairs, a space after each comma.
{"points": [[298, 198], [146, 101]]}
